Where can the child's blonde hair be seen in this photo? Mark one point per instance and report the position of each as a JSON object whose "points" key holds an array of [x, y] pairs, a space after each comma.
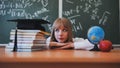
{"points": [[62, 22]]}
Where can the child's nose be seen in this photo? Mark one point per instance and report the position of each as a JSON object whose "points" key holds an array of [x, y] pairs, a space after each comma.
{"points": [[60, 32]]}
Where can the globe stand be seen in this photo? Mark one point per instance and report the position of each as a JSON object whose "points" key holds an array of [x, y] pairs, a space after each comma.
{"points": [[95, 48]]}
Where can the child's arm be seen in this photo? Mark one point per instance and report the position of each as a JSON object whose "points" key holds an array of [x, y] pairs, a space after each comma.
{"points": [[53, 45], [79, 43], [83, 44]]}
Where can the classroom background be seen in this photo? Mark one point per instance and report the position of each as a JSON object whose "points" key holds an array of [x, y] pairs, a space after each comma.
{"points": [[82, 13]]}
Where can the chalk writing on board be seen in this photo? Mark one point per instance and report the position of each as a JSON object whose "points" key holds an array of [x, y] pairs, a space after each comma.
{"points": [[104, 18], [90, 8], [68, 1], [19, 8]]}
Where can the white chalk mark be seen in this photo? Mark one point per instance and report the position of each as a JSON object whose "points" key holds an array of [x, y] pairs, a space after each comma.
{"points": [[104, 18], [44, 3], [74, 28], [80, 26], [68, 1], [73, 16]]}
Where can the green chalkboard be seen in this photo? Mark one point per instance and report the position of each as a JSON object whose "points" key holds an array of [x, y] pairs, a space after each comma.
{"points": [[87, 13], [82, 13], [25, 9]]}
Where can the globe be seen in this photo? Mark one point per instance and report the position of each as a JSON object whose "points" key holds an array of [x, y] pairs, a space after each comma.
{"points": [[95, 34]]}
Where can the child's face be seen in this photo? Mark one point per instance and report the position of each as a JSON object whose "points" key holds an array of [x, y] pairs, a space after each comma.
{"points": [[61, 34]]}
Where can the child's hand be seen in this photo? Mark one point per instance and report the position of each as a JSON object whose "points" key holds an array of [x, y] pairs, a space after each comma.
{"points": [[67, 46], [57, 44]]}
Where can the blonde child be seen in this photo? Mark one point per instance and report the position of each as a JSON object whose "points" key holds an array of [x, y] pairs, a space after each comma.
{"points": [[62, 37]]}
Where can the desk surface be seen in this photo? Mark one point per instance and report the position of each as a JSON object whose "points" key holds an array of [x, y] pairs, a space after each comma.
{"points": [[61, 56]]}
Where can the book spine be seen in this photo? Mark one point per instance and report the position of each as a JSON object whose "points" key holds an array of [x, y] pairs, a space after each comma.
{"points": [[20, 33], [27, 38], [22, 50], [31, 31], [24, 39], [30, 42], [18, 50], [11, 45], [28, 31]]}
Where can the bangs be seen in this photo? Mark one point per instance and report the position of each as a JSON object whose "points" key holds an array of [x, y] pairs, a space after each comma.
{"points": [[60, 23]]}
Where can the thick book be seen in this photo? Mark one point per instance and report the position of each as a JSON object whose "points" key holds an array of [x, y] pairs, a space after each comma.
{"points": [[31, 32], [27, 35], [24, 50], [26, 38], [28, 31], [41, 41], [26, 46]]}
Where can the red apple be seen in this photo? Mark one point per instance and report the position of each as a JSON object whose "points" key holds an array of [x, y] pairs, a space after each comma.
{"points": [[105, 45]]}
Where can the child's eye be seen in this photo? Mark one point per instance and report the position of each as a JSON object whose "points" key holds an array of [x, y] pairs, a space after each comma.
{"points": [[56, 30], [65, 30]]}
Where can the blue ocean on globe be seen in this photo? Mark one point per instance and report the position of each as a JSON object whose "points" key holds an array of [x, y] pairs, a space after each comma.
{"points": [[95, 34]]}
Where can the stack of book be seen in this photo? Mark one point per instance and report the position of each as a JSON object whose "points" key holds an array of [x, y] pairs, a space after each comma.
{"points": [[27, 40]]}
